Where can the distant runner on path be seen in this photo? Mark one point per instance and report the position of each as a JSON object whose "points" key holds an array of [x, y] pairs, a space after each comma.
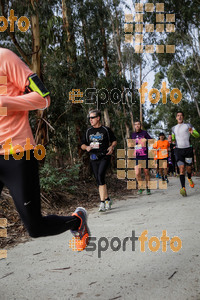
{"points": [[100, 142], [183, 151], [141, 136], [162, 146]]}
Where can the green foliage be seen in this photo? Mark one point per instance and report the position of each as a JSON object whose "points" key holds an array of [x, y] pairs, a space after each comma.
{"points": [[59, 179], [180, 70], [76, 60]]}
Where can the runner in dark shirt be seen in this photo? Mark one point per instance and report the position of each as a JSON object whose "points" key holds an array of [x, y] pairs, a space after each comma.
{"points": [[100, 142]]}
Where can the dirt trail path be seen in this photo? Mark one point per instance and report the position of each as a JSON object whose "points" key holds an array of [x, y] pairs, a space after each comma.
{"points": [[47, 268]]}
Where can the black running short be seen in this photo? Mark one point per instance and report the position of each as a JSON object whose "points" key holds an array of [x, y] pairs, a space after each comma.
{"points": [[139, 159], [184, 156], [99, 168], [161, 162]]}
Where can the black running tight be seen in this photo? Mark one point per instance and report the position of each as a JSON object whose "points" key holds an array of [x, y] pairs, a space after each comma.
{"points": [[99, 168], [21, 177]]}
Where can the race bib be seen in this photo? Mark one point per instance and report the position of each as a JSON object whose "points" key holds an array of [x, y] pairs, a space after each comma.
{"points": [[164, 152], [188, 160], [94, 145], [138, 147]]}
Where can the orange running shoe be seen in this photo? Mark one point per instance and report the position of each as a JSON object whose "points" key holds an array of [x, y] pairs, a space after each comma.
{"points": [[191, 183], [82, 234]]}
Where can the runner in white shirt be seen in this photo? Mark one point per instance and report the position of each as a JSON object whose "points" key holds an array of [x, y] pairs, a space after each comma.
{"points": [[183, 151]]}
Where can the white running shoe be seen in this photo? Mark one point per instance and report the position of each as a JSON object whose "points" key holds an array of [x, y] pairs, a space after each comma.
{"points": [[108, 204], [102, 206]]}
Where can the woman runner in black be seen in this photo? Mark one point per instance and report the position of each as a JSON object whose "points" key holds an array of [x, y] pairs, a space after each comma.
{"points": [[100, 142]]}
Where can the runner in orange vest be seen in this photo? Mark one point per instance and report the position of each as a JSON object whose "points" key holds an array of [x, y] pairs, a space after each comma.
{"points": [[162, 146]]}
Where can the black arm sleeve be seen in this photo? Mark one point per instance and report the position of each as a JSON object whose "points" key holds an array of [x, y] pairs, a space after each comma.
{"points": [[84, 139], [112, 136]]}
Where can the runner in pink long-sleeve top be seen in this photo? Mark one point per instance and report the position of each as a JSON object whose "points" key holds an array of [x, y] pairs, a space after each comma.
{"points": [[20, 176]]}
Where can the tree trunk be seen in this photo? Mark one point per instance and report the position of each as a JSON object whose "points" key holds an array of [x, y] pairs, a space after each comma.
{"points": [[124, 140], [104, 49], [84, 25], [118, 42], [106, 118], [69, 34], [126, 125], [71, 59], [70, 148], [118, 49], [36, 63], [41, 136]]}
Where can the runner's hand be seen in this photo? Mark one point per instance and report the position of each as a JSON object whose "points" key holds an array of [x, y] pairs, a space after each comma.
{"points": [[190, 130], [110, 150], [88, 148]]}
